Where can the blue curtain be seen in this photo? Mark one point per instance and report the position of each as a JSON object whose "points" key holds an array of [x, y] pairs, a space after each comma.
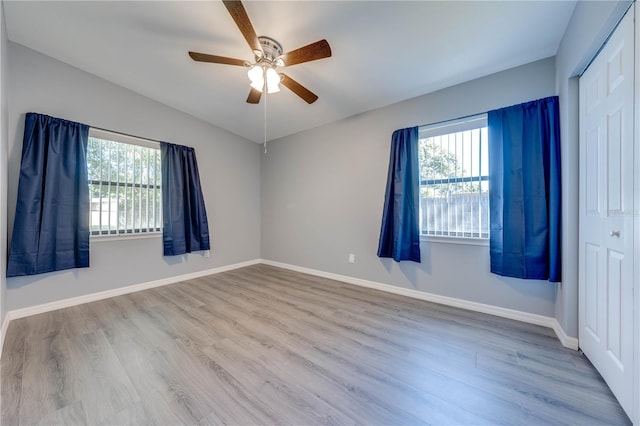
{"points": [[186, 228], [51, 227], [524, 195], [400, 230]]}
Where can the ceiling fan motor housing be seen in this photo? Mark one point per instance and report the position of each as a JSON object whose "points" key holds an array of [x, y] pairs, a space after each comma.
{"points": [[271, 49]]}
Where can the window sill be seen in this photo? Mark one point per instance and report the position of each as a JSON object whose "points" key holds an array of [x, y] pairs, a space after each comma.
{"points": [[120, 237], [455, 240]]}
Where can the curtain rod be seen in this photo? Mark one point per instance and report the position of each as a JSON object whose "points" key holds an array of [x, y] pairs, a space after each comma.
{"points": [[124, 134], [453, 119]]}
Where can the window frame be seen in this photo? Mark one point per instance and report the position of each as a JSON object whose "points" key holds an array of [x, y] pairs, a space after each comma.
{"points": [[472, 122], [129, 140]]}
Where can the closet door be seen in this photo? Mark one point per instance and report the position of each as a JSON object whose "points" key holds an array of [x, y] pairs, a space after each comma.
{"points": [[606, 243]]}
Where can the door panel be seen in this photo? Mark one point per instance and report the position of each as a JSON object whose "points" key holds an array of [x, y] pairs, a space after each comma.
{"points": [[614, 171], [592, 172], [591, 277], [614, 283]]}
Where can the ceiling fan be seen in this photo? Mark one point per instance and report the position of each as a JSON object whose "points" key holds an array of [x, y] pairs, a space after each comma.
{"points": [[263, 72]]}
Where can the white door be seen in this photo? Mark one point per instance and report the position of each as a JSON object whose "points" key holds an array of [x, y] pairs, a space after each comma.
{"points": [[606, 276]]}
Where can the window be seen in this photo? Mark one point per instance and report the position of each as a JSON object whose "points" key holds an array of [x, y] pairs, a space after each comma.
{"points": [[124, 184], [454, 178]]}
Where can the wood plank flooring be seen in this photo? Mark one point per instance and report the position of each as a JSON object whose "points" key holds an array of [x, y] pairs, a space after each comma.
{"points": [[262, 345]]}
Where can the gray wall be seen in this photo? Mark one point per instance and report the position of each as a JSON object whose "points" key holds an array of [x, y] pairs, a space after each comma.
{"points": [[590, 25], [323, 190], [229, 171], [4, 134]]}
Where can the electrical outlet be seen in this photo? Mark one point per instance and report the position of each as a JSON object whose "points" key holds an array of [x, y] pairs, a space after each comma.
{"points": [[207, 253], [352, 258]]}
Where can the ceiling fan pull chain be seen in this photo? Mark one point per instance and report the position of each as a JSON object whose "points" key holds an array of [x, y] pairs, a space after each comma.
{"points": [[265, 121]]}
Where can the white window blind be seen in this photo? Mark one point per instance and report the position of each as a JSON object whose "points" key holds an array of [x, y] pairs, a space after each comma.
{"points": [[124, 184], [454, 179]]}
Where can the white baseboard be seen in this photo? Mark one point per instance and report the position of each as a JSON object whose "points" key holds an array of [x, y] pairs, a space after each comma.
{"points": [[65, 303], [567, 341], [550, 322]]}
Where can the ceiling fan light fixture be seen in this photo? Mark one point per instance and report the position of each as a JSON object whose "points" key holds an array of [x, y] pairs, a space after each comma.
{"points": [[273, 80], [256, 75]]}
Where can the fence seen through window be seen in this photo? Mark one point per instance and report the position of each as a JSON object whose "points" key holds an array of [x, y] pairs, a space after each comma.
{"points": [[454, 179], [124, 186]]}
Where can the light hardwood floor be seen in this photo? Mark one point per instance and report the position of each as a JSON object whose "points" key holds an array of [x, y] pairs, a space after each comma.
{"points": [[262, 345]]}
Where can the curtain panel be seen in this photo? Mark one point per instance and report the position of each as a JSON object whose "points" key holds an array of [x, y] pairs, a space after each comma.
{"points": [[525, 190], [51, 227], [400, 230], [185, 225]]}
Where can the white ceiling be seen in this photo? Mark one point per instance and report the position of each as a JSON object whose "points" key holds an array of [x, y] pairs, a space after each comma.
{"points": [[383, 51]]}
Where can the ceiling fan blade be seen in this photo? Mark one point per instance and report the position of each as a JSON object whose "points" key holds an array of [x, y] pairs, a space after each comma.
{"points": [[311, 52], [254, 96], [203, 57], [297, 88], [239, 15]]}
